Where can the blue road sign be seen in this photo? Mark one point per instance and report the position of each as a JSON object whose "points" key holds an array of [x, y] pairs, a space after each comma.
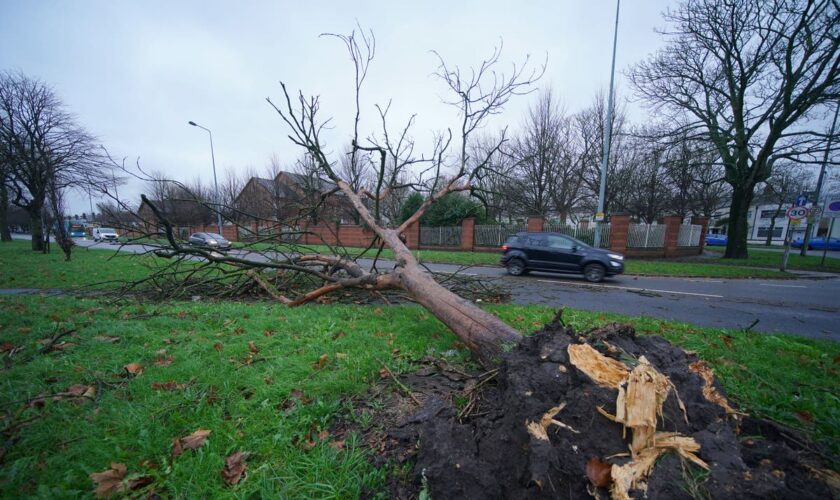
{"points": [[801, 200]]}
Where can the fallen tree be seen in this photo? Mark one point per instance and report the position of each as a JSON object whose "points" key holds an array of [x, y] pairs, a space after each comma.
{"points": [[478, 94]]}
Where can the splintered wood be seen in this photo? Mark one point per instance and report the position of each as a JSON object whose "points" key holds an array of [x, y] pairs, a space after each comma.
{"points": [[540, 429], [709, 392], [606, 372], [641, 394]]}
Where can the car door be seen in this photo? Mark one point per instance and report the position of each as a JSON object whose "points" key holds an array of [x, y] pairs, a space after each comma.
{"points": [[563, 252], [539, 255]]}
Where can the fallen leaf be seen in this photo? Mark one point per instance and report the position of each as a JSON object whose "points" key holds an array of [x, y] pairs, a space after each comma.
{"points": [[164, 361], [133, 369], [177, 449], [6, 346], [218, 346], [337, 335], [77, 390], [252, 347], [727, 339], [168, 341], [234, 469], [107, 338], [109, 482], [268, 333], [598, 472], [383, 373], [64, 345], [337, 445], [169, 385], [196, 439], [321, 362], [804, 416]]}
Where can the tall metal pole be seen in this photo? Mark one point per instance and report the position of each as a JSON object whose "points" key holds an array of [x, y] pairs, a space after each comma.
{"points": [[215, 180], [809, 227], [599, 217]]}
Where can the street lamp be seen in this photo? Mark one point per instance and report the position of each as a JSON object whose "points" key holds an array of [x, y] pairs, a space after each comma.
{"points": [[215, 181], [599, 216]]}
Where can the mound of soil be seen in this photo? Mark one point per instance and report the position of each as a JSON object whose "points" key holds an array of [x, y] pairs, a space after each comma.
{"points": [[473, 442]]}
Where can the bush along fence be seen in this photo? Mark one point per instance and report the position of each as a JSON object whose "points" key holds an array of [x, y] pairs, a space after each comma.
{"points": [[668, 238]]}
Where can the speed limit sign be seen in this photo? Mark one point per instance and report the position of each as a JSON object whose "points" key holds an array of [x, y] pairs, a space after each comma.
{"points": [[797, 213]]}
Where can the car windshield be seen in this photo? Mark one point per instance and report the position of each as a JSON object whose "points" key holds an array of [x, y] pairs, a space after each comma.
{"points": [[106, 230], [215, 236]]}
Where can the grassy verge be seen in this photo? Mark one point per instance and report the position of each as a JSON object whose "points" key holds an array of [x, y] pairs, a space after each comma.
{"points": [[247, 398], [810, 262], [20, 267]]}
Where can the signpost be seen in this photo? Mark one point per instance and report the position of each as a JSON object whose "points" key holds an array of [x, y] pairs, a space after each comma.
{"points": [[796, 214], [801, 200], [832, 211]]}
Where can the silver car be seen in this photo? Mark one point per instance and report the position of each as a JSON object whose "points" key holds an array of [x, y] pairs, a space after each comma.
{"points": [[210, 241]]}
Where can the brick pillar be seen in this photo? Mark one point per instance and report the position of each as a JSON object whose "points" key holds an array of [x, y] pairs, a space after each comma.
{"points": [[704, 223], [672, 234], [536, 224], [619, 232], [412, 235], [467, 234], [230, 233]]}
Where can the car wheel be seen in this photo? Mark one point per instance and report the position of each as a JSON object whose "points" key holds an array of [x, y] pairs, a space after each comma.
{"points": [[515, 267], [594, 272]]}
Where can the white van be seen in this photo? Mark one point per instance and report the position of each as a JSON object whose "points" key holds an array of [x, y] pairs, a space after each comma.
{"points": [[105, 234]]}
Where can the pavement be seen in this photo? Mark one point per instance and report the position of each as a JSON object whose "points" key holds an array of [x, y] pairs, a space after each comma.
{"points": [[807, 306]]}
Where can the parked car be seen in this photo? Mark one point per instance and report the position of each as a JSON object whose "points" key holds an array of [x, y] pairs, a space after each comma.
{"points": [[105, 234], [817, 243], [556, 252], [211, 241], [715, 240]]}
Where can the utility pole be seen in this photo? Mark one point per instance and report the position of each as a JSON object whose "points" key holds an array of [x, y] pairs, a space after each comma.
{"points": [[810, 227], [599, 216], [215, 181]]}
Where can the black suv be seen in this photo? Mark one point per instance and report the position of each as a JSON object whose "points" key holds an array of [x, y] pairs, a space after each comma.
{"points": [[558, 253]]}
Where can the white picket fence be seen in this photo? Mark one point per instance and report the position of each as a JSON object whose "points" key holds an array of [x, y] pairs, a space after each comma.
{"points": [[582, 232], [689, 235], [493, 235], [646, 236], [440, 236]]}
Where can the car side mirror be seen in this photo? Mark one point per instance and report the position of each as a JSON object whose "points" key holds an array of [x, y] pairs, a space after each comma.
{"points": [[574, 248]]}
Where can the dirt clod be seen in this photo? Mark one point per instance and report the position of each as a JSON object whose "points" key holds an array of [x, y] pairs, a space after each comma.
{"points": [[499, 449]]}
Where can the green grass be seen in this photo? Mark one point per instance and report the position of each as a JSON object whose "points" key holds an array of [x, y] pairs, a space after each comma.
{"points": [[243, 397], [20, 267], [757, 258]]}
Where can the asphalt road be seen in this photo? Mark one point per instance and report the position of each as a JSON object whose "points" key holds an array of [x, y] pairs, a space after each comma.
{"points": [[807, 306]]}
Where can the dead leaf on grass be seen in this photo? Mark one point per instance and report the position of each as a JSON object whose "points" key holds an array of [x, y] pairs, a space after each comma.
{"points": [[6, 347], [252, 347], [107, 338], [727, 339], [169, 385], [191, 442], [322, 361], [804, 416], [234, 469], [164, 361], [109, 482], [337, 445], [133, 369], [168, 341], [598, 472], [218, 346]]}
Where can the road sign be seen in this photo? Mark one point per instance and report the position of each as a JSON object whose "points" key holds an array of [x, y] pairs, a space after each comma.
{"points": [[797, 213], [795, 222], [801, 200], [814, 215], [599, 216], [832, 207]]}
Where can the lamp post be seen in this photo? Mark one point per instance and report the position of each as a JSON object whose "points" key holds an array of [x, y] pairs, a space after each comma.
{"points": [[599, 216], [215, 181]]}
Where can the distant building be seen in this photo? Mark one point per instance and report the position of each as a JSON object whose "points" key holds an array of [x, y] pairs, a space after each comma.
{"points": [[292, 197]]}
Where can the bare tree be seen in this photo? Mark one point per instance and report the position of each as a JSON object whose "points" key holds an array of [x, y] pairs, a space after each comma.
{"points": [[43, 147], [751, 76], [478, 94], [787, 181]]}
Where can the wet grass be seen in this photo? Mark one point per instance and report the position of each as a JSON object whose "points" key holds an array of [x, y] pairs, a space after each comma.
{"points": [[239, 366], [757, 258]]}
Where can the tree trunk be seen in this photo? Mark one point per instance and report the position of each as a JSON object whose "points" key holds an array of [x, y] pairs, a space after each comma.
{"points": [[770, 231], [484, 334], [36, 227], [5, 234], [736, 241]]}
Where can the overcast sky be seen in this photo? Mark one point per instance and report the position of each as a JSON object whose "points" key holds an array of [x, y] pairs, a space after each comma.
{"points": [[134, 73]]}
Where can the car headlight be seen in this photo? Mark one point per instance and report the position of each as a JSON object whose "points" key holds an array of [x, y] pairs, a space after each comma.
{"points": [[212, 242], [615, 256]]}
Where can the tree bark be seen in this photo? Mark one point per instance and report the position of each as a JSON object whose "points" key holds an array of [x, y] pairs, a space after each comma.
{"points": [[5, 234], [738, 226], [36, 218]]}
